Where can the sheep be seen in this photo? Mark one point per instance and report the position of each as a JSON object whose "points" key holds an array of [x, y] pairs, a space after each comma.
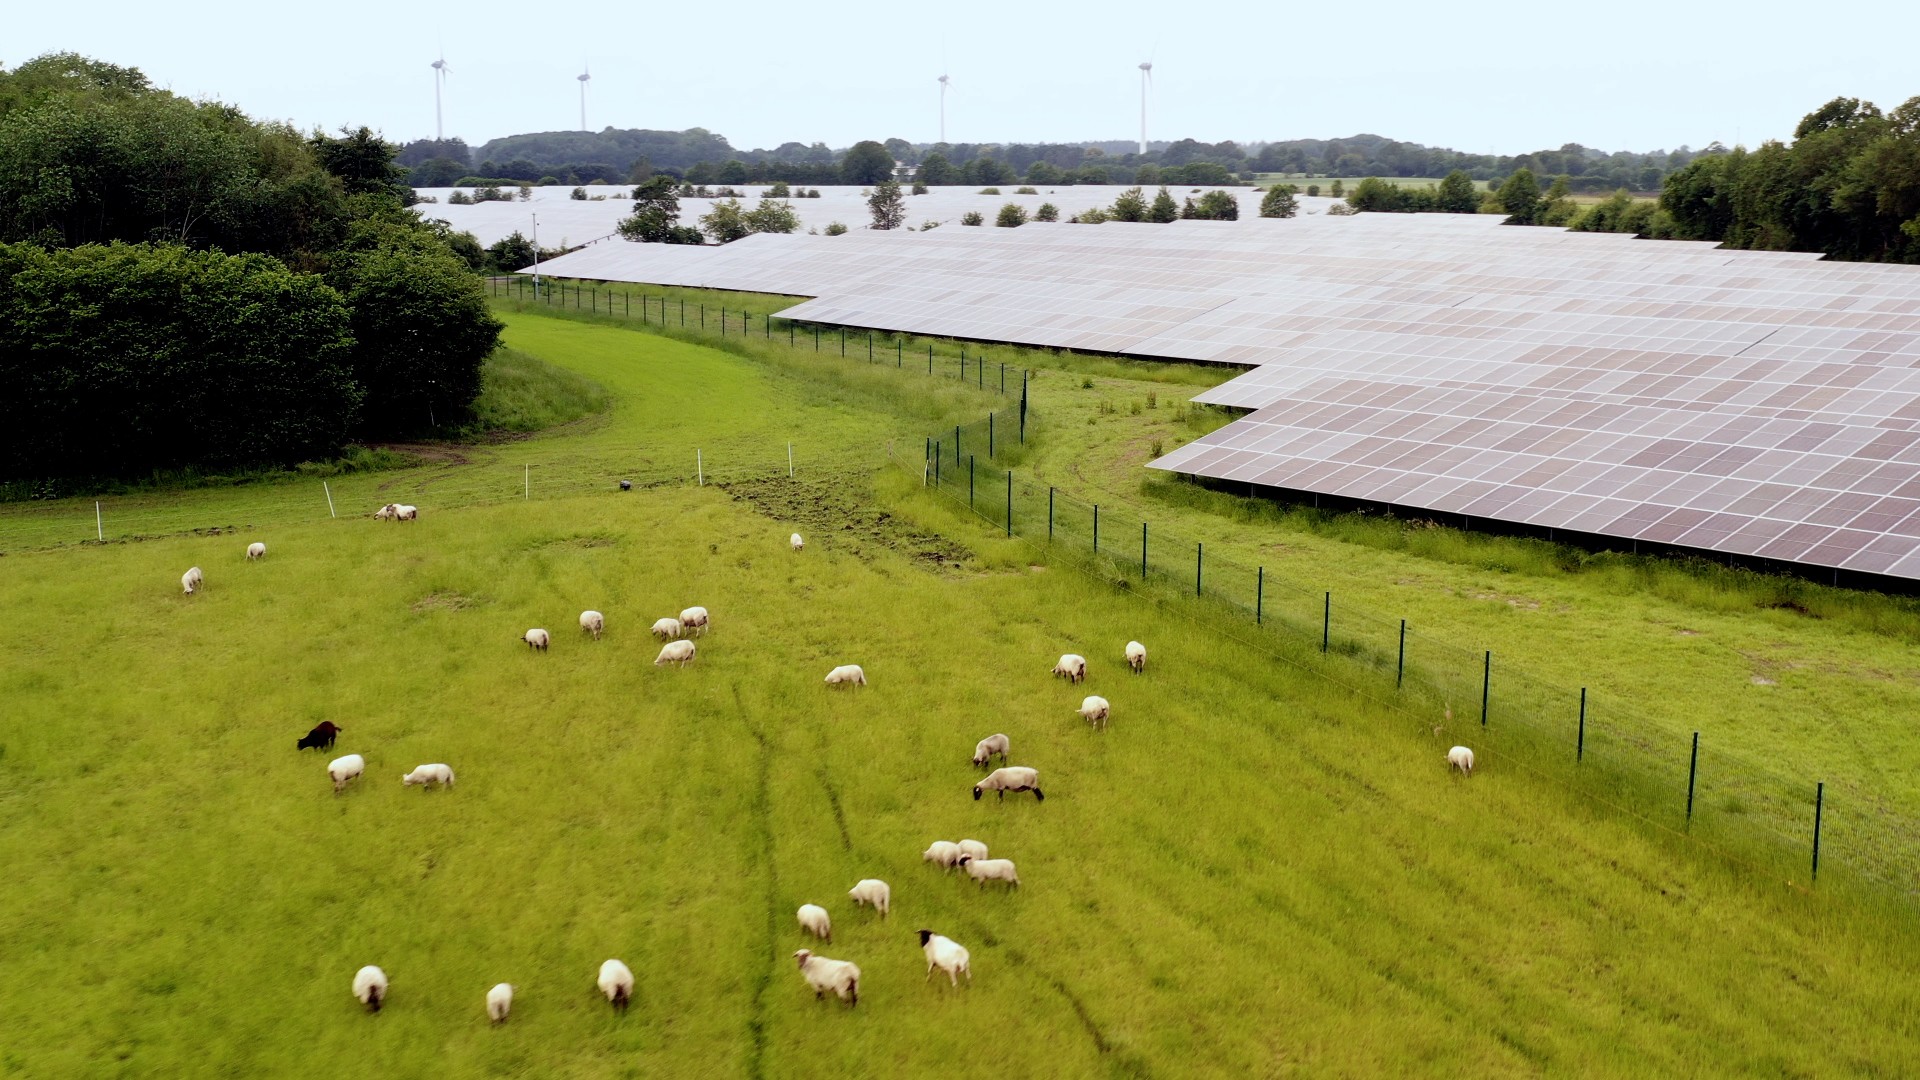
{"points": [[616, 981], [370, 986], [192, 581], [796, 541], [536, 638], [973, 848], [626, 485], [387, 513], [1011, 778], [947, 955], [1095, 709], [499, 1001], [403, 512], [984, 750], [675, 652], [1460, 758], [1136, 657], [429, 775], [593, 622], [1072, 667], [256, 550], [321, 737], [985, 870], [813, 919], [946, 853], [849, 674], [872, 891], [342, 769], [666, 629], [840, 976], [694, 619]]}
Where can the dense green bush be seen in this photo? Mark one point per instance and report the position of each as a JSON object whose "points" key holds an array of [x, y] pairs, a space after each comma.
{"points": [[1011, 216]]}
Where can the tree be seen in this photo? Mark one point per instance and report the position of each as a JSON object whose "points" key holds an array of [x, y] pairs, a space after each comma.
{"points": [[1046, 212], [364, 163], [1339, 188], [1279, 202], [1520, 197], [1011, 216], [888, 208], [1131, 205], [1164, 209], [835, 229], [936, 170], [1218, 205], [734, 172], [1556, 208], [1045, 172], [1455, 195], [779, 190], [972, 217], [656, 216], [773, 217], [511, 252], [866, 163], [725, 222]]}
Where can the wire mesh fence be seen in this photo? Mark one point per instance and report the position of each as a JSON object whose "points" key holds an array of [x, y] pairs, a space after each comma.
{"points": [[1660, 772]]}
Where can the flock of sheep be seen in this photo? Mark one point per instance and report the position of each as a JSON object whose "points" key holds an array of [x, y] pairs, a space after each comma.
{"points": [[822, 974]]}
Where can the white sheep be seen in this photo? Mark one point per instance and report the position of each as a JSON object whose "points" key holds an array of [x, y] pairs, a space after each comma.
{"points": [[796, 541], [841, 977], [1460, 758], [192, 580], [985, 870], [370, 987], [616, 981], [536, 638], [973, 848], [1136, 657], [387, 512], [499, 1002], [675, 652], [1095, 709], [847, 674], [256, 550], [813, 919], [1072, 667], [666, 629], [593, 622], [943, 853], [1011, 778], [342, 769], [429, 775], [984, 750], [947, 955], [403, 512], [872, 891], [694, 619]]}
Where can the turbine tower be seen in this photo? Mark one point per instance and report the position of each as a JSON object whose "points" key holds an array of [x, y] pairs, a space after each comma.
{"points": [[440, 70], [944, 81], [1146, 77], [585, 77]]}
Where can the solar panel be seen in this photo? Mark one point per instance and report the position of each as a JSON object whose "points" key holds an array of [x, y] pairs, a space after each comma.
{"points": [[1751, 403]]}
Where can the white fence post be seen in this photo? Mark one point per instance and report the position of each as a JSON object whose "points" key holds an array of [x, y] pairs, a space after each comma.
{"points": [[329, 491], [699, 469], [789, 461], [99, 530], [527, 479]]}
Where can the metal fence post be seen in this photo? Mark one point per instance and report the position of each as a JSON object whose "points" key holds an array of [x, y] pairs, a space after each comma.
{"points": [[1819, 803], [929, 357], [1580, 747], [1693, 770], [1326, 622], [1199, 554], [1023, 407], [1049, 513], [989, 436], [1143, 551], [1009, 502], [969, 481], [1400, 665], [899, 352], [956, 444], [1486, 681], [1259, 596], [1096, 528]]}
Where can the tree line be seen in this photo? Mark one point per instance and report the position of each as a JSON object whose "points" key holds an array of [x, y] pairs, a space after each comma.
{"points": [[185, 286]]}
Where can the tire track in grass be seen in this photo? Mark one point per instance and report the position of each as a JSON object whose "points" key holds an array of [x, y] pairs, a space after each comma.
{"points": [[763, 823], [833, 800]]}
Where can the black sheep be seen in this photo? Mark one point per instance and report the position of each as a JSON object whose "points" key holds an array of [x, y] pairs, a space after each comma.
{"points": [[320, 738]]}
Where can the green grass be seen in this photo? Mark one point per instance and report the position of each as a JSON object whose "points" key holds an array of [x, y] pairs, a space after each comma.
{"points": [[521, 393], [1255, 872]]}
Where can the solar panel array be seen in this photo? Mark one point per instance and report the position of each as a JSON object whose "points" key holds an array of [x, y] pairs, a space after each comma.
{"points": [[1752, 403]]}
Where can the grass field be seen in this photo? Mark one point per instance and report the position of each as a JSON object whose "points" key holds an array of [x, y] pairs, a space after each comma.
{"points": [[1253, 872]]}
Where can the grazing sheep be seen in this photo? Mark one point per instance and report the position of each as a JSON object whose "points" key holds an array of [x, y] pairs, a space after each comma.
{"points": [[694, 619], [675, 652], [1072, 667], [839, 976], [985, 870], [387, 513], [403, 512], [813, 919], [796, 541], [984, 750], [536, 638], [973, 848], [192, 580], [872, 891], [1136, 657], [616, 981], [1460, 758], [626, 485], [370, 986], [429, 775], [593, 622], [256, 550], [342, 769], [947, 955], [666, 629], [321, 737], [1095, 709], [1011, 778], [943, 852], [848, 674], [499, 1001]]}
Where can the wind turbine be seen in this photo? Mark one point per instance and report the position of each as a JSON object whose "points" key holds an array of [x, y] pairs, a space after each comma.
{"points": [[440, 70], [1146, 78], [944, 81], [585, 77]]}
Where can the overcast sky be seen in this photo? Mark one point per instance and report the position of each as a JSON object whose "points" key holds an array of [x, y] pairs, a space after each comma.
{"points": [[1506, 78]]}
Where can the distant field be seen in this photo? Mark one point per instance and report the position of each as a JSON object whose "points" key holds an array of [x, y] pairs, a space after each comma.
{"points": [[1254, 872]]}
